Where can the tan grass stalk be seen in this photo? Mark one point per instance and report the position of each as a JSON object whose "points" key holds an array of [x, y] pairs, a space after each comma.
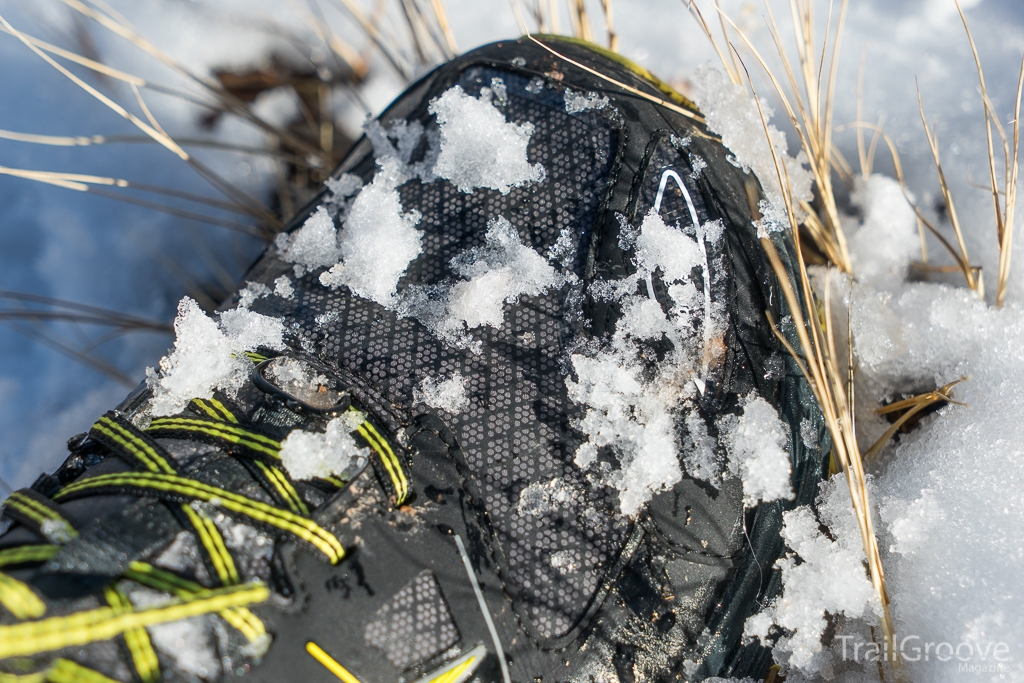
{"points": [[977, 284], [156, 133], [609, 25], [730, 66], [809, 105], [818, 359], [912, 406], [1004, 214], [98, 67], [962, 264], [628, 88], [441, 14]]}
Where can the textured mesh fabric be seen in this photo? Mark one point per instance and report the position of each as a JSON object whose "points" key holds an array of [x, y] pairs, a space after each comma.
{"points": [[516, 430], [414, 625]]}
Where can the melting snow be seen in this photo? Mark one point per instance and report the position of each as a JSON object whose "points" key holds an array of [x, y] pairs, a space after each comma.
{"points": [[498, 273], [829, 578], [449, 395], [731, 112], [757, 443], [576, 102], [307, 455], [378, 241], [479, 148], [208, 356]]}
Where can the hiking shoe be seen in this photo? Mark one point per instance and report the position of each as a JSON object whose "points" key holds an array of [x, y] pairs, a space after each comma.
{"points": [[502, 404]]}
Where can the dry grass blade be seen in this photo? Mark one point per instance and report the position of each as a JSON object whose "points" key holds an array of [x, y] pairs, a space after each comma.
{"points": [[155, 132], [730, 66], [628, 88], [819, 363], [609, 25], [98, 67], [29, 314], [977, 284], [374, 34], [161, 138], [87, 183], [810, 114], [1004, 214], [911, 406]]}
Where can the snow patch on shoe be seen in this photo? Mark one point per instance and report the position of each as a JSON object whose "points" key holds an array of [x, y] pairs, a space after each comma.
{"points": [[730, 111], [829, 578], [498, 273], [308, 455], [576, 102], [379, 240], [251, 292], [314, 245], [208, 356], [756, 442], [629, 410], [283, 287], [449, 395], [479, 148]]}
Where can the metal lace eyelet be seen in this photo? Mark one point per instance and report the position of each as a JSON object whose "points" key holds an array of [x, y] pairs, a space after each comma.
{"points": [[303, 386]]}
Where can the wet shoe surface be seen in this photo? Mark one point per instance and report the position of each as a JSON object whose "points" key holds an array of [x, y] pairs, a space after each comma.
{"points": [[538, 395]]}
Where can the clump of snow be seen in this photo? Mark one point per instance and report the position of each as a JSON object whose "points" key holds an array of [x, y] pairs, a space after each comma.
{"points": [[283, 287], [700, 458], [829, 578], [449, 395], [57, 531], [757, 445], [208, 356], [635, 418], [251, 292], [576, 102], [312, 246], [249, 331], [378, 240], [886, 241], [911, 523], [659, 246], [498, 273], [343, 187], [541, 498], [627, 409], [730, 111], [188, 643], [397, 145], [565, 561], [479, 148], [308, 455]]}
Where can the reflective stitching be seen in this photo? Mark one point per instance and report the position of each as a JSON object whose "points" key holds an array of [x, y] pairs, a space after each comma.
{"points": [[19, 599], [214, 408], [82, 628], [39, 514], [176, 486], [230, 433], [387, 456], [140, 648]]}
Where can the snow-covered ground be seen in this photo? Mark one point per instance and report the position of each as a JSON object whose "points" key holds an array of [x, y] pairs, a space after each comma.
{"points": [[949, 496]]}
